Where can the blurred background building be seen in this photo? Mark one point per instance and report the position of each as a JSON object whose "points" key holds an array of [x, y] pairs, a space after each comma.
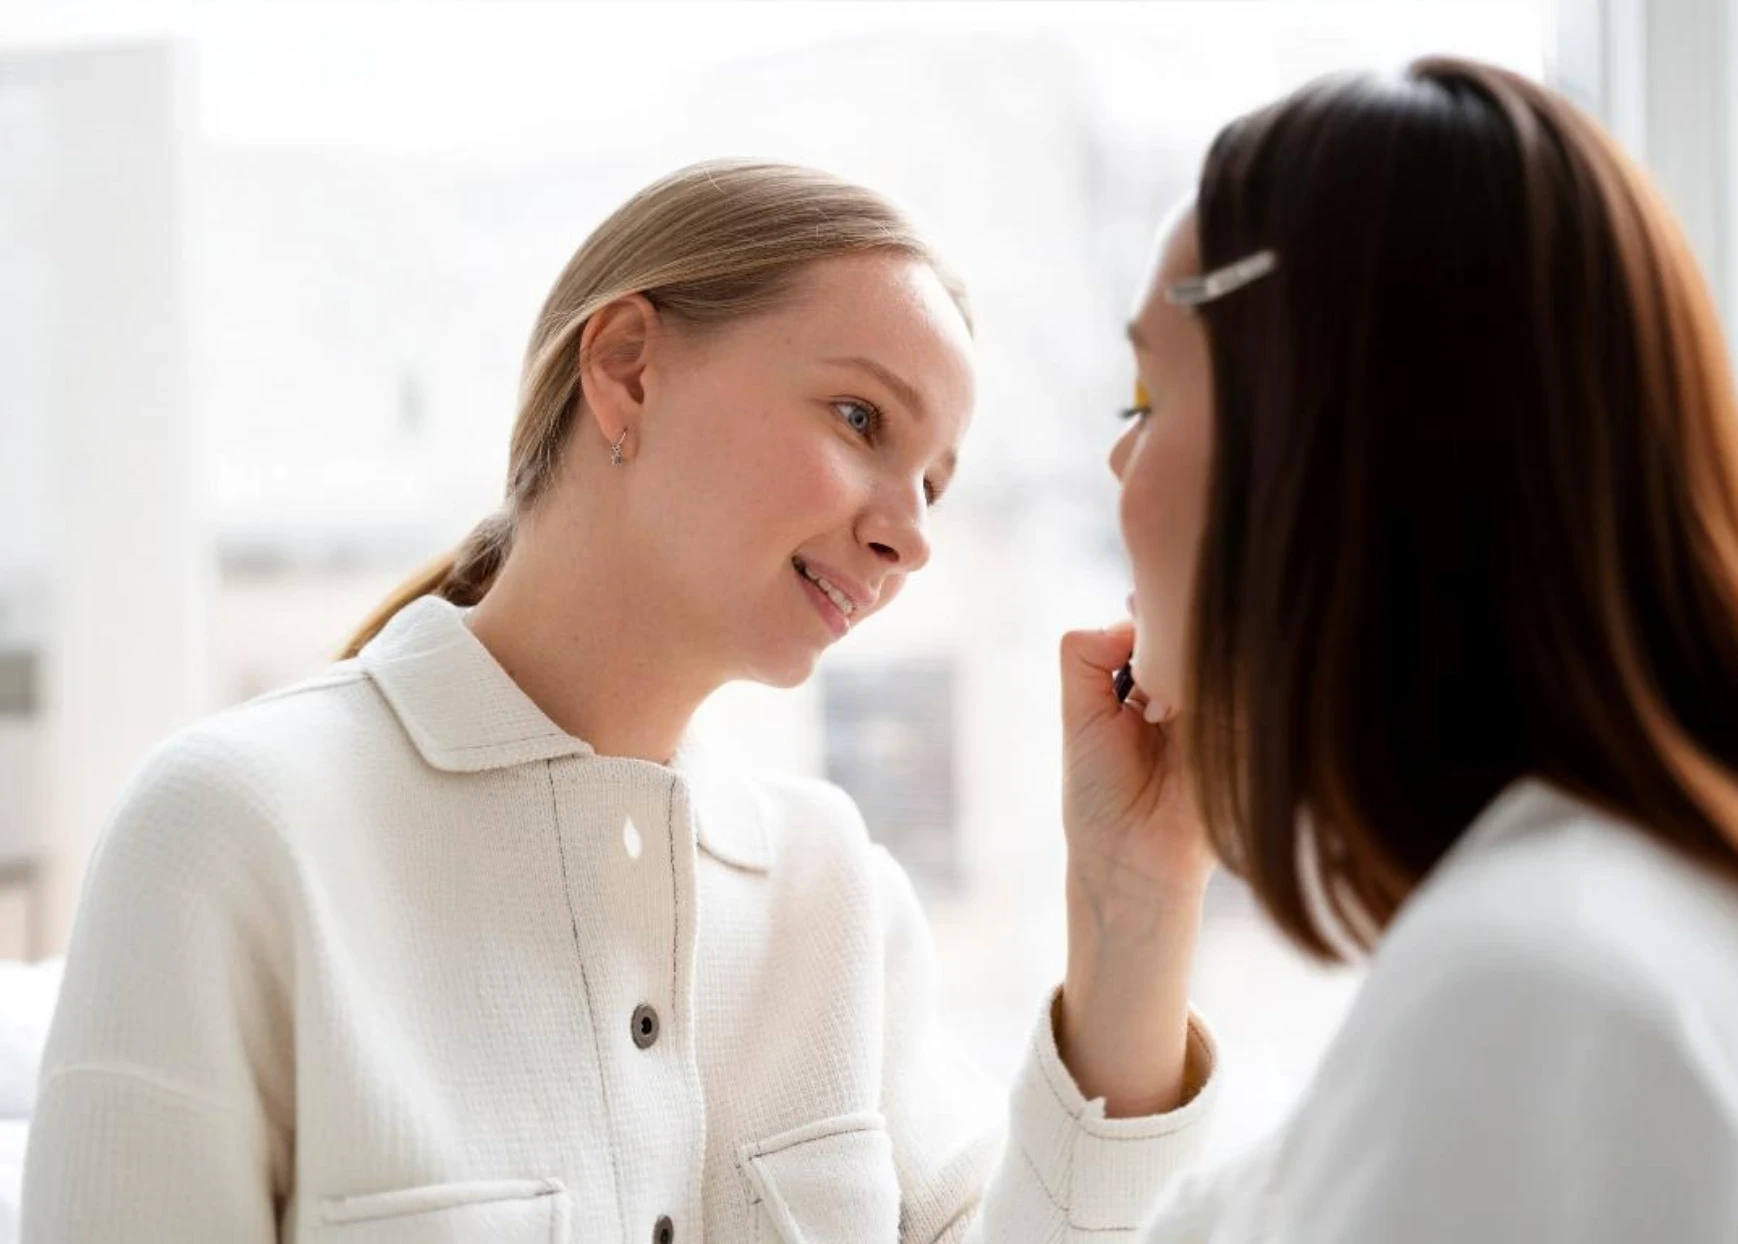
{"points": [[266, 273]]}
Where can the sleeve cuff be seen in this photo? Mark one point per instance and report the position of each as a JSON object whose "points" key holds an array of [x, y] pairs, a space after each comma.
{"points": [[1103, 1173]]}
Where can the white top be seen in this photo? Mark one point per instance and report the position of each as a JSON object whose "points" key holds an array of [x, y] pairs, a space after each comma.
{"points": [[388, 957], [1545, 1051]]}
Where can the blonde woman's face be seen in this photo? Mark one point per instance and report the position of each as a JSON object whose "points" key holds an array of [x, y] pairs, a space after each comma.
{"points": [[1163, 462], [792, 461]]}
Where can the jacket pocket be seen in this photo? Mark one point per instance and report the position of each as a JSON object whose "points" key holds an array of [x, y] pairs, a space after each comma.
{"points": [[830, 1182], [508, 1211]]}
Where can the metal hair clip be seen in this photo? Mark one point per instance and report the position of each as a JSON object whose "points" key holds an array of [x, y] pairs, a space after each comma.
{"points": [[1221, 281]]}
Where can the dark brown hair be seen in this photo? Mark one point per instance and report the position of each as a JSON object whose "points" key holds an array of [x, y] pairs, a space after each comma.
{"points": [[1474, 506]]}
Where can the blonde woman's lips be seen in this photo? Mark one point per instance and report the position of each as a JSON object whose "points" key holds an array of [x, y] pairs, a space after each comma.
{"points": [[830, 613]]}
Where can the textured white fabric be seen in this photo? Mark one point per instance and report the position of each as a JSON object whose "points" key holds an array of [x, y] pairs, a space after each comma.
{"points": [[1545, 1051], [357, 962]]}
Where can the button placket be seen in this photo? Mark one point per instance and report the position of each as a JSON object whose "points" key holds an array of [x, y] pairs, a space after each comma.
{"points": [[644, 1024], [640, 871], [626, 853]]}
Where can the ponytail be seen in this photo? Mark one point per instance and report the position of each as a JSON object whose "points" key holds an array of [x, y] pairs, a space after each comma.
{"points": [[462, 577]]}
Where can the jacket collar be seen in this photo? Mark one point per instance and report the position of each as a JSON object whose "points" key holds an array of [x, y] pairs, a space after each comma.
{"points": [[465, 714], [1524, 806]]}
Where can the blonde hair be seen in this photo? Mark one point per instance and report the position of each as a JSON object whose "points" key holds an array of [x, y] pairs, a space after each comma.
{"points": [[708, 244]]}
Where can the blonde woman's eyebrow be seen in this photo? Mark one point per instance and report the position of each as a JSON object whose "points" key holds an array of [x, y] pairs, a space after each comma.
{"points": [[902, 389]]}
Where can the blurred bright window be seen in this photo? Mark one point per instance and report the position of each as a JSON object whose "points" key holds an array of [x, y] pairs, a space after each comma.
{"points": [[376, 199]]}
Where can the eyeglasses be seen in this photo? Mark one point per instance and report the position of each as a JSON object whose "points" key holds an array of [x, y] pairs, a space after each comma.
{"points": [[1197, 290]]}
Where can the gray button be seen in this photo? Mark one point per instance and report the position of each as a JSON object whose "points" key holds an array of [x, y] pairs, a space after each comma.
{"points": [[645, 1025], [664, 1232]]}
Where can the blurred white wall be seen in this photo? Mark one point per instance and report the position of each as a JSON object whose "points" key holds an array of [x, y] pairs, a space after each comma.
{"points": [[115, 582], [1663, 77]]}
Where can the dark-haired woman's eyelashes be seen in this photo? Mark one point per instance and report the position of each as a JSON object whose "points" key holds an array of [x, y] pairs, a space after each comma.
{"points": [[1143, 405]]}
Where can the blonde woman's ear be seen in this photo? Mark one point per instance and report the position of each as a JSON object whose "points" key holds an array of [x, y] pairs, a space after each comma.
{"points": [[614, 350]]}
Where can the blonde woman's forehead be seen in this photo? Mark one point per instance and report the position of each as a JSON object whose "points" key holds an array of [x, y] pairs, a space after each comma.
{"points": [[890, 308], [897, 286]]}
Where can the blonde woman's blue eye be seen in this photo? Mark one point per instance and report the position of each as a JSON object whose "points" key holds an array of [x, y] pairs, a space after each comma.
{"points": [[860, 417]]}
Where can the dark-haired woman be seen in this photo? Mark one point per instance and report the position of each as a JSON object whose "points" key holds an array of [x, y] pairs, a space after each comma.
{"points": [[1431, 497]]}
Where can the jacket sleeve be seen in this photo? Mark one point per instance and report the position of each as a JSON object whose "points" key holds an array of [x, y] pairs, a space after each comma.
{"points": [[1056, 1170], [163, 1110]]}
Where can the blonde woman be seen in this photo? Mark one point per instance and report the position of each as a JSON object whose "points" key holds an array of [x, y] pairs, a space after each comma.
{"points": [[461, 941]]}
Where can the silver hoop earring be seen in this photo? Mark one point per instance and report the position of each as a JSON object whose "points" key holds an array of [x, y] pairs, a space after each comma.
{"points": [[616, 448]]}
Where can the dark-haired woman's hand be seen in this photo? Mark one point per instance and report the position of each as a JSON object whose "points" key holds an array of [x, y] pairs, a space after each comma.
{"points": [[1133, 828], [1138, 864]]}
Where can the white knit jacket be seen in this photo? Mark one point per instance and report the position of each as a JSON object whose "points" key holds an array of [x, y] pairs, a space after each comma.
{"points": [[389, 957]]}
